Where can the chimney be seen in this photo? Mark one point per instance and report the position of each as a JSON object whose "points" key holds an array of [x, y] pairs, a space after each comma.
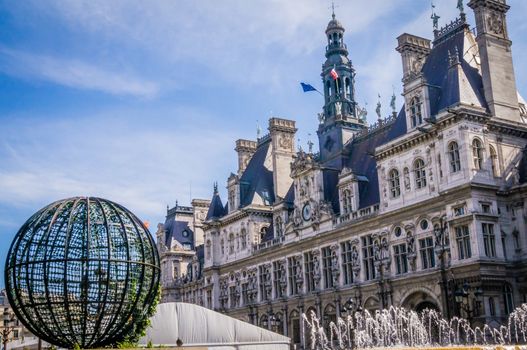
{"points": [[245, 150], [413, 50], [282, 132], [497, 70]]}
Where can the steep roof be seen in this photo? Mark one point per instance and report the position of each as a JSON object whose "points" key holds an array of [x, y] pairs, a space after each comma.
{"points": [[363, 163], [216, 209], [451, 70], [175, 231], [257, 178]]}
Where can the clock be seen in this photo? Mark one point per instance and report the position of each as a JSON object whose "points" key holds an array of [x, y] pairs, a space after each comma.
{"points": [[185, 234], [306, 212]]}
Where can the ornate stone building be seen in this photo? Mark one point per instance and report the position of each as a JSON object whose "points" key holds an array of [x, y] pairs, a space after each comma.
{"points": [[424, 209]]}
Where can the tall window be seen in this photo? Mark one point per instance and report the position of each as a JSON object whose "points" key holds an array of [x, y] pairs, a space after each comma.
{"points": [[308, 269], [489, 239], [492, 306], [245, 294], [420, 173], [426, 248], [507, 299], [231, 243], [453, 155], [395, 184], [326, 265], [243, 238], [477, 153], [291, 266], [347, 266], [346, 201], [401, 260], [494, 160], [415, 112], [263, 280], [463, 242], [367, 257], [175, 270], [233, 297]]}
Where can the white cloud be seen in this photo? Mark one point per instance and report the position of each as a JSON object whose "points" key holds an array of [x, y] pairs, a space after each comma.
{"points": [[73, 73], [114, 155]]}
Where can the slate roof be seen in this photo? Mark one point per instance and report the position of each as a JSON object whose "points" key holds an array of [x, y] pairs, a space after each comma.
{"points": [[457, 83], [174, 231], [256, 178], [216, 209], [362, 162]]}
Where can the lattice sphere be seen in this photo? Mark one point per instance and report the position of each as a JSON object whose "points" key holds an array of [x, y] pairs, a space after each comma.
{"points": [[82, 271]]}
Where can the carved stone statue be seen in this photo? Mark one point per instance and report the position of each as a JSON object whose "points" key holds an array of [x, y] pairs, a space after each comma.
{"points": [[355, 263], [335, 271], [338, 108], [316, 269]]}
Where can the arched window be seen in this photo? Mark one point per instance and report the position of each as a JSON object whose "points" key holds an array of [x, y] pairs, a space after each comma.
{"points": [[508, 300], [420, 173], [328, 90], [492, 306], [416, 114], [346, 201], [477, 153], [243, 237], [453, 155], [231, 243], [494, 161], [395, 185]]}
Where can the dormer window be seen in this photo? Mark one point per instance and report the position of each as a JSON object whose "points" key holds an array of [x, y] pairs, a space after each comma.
{"points": [[395, 185], [477, 153], [416, 114], [453, 154], [420, 173]]}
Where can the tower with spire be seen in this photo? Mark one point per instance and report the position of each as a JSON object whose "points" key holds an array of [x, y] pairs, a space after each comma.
{"points": [[339, 120]]}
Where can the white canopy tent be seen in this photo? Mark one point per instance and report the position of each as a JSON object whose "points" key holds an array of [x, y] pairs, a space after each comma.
{"points": [[197, 326]]}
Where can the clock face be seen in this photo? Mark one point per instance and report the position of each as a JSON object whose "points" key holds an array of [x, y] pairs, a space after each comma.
{"points": [[306, 211], [185, 233]]}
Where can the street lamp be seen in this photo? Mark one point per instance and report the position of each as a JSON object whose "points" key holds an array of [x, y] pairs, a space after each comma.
{"points": [[463, 296], [9, 317]]}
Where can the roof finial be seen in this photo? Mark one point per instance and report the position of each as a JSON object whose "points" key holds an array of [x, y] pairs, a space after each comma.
{"points": [[460, 6], [378, 109], [310, 143], [333, 9], [392, 101], [215, 187], [258, 130], [435, 18]]}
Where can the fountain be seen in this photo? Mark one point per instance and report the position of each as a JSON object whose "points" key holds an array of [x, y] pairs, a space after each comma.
{"points": [[399, 327]]}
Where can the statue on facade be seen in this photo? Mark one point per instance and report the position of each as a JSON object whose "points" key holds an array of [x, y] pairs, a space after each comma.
{"points": [[299, 278], [338, 108], [316, 269], [335, 271], [355, 262]]}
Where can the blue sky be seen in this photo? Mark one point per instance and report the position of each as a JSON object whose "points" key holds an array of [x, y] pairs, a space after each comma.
{"points": [[140, 102]]}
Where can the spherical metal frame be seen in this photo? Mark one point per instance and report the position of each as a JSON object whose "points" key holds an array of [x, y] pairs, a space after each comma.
{"points": [[82, 271]]}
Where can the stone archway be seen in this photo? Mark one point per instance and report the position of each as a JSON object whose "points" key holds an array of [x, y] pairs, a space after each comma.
{"points": [[371, 304], [294, 327], [420, 299]]}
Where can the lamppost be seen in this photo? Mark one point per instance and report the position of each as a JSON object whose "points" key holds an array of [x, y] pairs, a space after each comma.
{"points": [[7, 329], [441, 247], [463, 297]]}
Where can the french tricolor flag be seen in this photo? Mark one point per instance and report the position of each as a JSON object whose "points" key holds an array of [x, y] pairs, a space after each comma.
{"points": [[334, 74]]}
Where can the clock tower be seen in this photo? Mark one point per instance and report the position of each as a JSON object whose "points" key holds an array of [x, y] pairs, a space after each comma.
{"points": [[339, 121]]}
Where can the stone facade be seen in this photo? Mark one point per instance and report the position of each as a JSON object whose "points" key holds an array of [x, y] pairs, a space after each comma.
{"points": [[425, 209]]}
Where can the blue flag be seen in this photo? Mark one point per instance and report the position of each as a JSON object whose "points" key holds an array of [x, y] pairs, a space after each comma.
{"points": [[307, 87]]}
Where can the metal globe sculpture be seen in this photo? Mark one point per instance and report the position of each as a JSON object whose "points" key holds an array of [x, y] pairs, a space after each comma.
{"points": [[82, 271]]}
